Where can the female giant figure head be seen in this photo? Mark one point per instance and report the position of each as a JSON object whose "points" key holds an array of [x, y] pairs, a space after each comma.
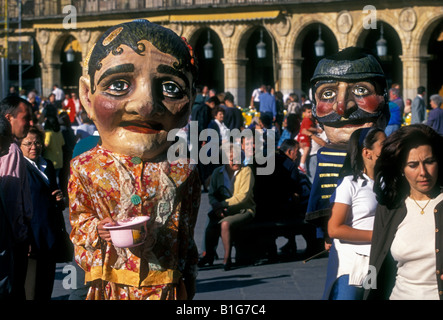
{"points": [[139, 85]]}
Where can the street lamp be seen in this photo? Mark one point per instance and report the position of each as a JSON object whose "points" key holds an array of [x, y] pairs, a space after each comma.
{"points": [[70, 54], [382, 48], [319, 44], [261, 47], [208, 51]]}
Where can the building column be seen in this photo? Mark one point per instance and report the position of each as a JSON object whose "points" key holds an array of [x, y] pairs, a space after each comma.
{"points": [[290, 75], [415, 74], [235, 80], [50, 76]]}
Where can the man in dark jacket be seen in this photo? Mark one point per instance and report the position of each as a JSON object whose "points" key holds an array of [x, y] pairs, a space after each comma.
{"points": [[233, 115]]}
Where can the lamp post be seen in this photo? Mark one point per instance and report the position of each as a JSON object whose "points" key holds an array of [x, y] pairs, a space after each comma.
{"points": [[207, 48], [70, 54], [382, 48], [319, 44], [261, 47]]}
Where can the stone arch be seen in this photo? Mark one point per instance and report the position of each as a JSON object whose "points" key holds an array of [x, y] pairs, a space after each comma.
{"points": [[392, 64], [420, 42], [431, 66], [211, 70], [244, 54], [68, 73], [305, 63]]}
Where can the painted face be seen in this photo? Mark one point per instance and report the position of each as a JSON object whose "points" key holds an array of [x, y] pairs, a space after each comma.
{"points": [[139, 98], [421, 171], [343, 107]]}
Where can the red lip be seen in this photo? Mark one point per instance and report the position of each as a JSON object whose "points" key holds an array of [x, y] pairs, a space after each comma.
{"points": [[141, 127]]}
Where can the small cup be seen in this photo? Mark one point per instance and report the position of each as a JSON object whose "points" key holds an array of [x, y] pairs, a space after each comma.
{"points": [[128, 233]]}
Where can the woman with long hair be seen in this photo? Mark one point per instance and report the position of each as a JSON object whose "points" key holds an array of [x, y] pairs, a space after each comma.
{"points": [[407, 236], [352, 217]]}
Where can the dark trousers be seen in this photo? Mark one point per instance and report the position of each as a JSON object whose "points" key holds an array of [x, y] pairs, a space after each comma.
{"points": [[40, 277], [20, 254]]}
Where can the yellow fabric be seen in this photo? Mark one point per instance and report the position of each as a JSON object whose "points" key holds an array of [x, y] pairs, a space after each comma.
{"points": [[231, 16], [243, 197], [54, 142]]}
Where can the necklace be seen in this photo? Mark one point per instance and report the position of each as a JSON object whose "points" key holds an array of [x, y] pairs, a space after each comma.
{"points": [[422, 208]]}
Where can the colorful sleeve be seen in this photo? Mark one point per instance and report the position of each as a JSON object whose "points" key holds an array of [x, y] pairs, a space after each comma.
{"points": [[84, 221]]}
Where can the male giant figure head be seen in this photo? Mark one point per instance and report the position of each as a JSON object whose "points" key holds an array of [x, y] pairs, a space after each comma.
{"points": [[350, 92]]}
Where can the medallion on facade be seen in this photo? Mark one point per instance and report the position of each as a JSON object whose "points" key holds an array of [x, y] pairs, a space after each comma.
{"points": [[228, 30], [283, 27], [43, 36], [344, 22], [407, 19]]}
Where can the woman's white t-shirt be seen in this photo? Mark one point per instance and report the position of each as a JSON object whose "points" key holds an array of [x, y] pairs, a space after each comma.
{"points": [[414, 250], [359, 195], [353, 257]]}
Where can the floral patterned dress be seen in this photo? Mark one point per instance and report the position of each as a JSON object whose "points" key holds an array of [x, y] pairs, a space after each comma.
{"points": [[104, 184]]}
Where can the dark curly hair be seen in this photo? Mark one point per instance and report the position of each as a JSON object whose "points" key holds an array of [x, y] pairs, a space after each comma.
{"points": [[130, 34], [390, 185]]}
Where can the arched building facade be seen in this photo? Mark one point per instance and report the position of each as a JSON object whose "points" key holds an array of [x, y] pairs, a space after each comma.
{"points": [[289, 30]]}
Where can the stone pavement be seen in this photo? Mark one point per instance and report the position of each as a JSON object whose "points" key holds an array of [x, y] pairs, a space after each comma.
{"points": [[290, 280]]}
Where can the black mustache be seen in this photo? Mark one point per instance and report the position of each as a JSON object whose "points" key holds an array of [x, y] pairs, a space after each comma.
{"points": [[358, 116]]}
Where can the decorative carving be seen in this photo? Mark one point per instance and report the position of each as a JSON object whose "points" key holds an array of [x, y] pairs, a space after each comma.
{"points": [[407, 19], [283, 26], [344, 22], [43, 36], [85, 35], [228, 30]]}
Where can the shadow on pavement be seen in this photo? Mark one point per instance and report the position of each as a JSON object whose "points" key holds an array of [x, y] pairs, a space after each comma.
{"points": [[231, 282]]}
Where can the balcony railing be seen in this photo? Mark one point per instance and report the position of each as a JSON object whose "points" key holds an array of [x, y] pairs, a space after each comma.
{"points": [[52, 8]]}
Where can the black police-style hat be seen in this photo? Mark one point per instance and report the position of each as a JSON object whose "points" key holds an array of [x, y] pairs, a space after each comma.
{"points": [[351, 64]]}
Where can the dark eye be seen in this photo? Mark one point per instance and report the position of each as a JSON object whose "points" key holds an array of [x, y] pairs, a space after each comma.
{"points": [[328, 94], [171, 89], [118, 87], [412, 165], [360, 91]]}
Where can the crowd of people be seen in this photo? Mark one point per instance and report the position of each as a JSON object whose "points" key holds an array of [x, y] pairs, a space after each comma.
{"points": [[38, 141], [347, 169]]}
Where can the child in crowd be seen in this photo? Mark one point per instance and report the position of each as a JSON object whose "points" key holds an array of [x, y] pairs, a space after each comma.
{"points": [[305, 140]]}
